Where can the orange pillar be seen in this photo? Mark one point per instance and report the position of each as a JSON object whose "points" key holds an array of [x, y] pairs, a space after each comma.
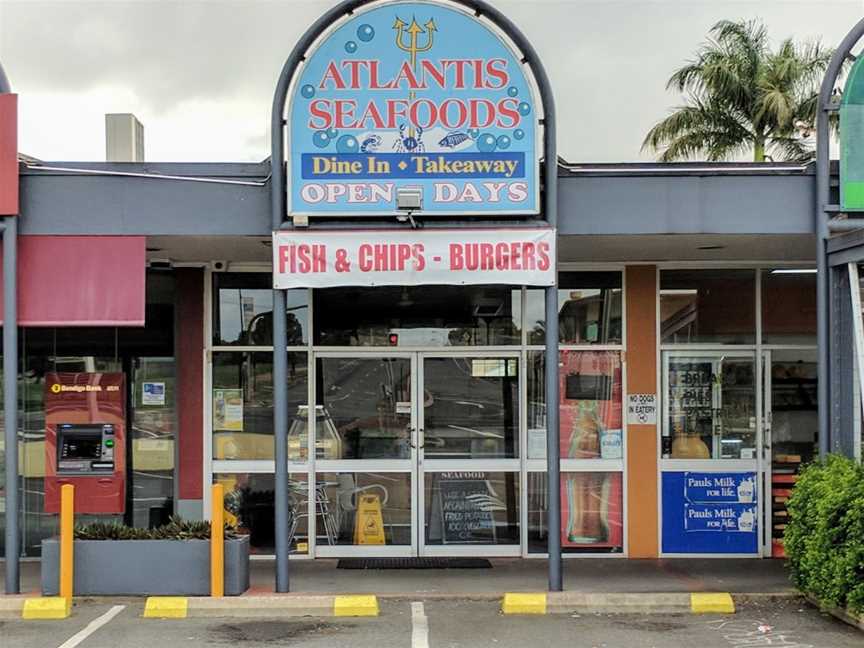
{"points": [[642, 513]]}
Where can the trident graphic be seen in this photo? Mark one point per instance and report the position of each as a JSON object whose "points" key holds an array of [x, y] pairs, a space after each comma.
{"points": [[414, 30]]}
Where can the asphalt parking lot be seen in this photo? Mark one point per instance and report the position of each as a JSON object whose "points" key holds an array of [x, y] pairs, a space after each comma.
{"points": [[440, 624]]}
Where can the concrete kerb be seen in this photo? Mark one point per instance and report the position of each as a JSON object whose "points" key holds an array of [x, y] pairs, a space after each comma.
{"points": [[618, 603], [181, 607], [35, 607]]}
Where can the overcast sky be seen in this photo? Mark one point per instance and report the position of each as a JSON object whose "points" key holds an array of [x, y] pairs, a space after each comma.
{"points": [[200, 74]]}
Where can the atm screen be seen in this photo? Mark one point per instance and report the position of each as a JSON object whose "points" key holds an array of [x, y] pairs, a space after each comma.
{"points": [[80, 447], [81, 442]]}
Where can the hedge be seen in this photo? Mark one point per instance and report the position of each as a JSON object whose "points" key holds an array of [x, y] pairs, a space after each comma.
{"points": [[824, 539]]}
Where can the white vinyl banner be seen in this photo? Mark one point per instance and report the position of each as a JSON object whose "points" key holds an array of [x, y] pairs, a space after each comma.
{"points": [[323, 259]]}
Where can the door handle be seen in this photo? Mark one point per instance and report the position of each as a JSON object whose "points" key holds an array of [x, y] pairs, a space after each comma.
{"points": [[421, 437]]}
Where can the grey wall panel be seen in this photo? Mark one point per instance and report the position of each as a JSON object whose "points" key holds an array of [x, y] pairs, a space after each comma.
{"points": [[82, 204], [719, 204], [599, 204]]}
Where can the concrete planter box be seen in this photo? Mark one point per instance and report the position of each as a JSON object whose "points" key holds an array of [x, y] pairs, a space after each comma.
{"points": [[142, 567]]}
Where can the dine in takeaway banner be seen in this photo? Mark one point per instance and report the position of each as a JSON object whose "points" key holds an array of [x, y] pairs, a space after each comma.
{"points": [[324, 259]]}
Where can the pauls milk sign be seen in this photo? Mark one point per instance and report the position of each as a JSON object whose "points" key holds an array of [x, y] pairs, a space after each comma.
{"points": [[413, 94]]}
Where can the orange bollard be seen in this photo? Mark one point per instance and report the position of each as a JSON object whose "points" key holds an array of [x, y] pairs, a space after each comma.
{"points": [[67, 537], [217, 541]]}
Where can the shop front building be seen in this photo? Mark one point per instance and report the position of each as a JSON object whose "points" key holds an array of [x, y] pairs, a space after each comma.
{"points": [[415, 411], [685, 385]]}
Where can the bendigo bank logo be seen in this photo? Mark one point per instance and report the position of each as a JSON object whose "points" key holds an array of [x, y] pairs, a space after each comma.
{"points": [[441, 103]]}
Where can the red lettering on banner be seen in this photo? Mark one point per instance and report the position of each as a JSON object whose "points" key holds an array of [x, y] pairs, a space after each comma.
{"points": [[528, 255], [456, 259], [543, 256], [417, 254], [302, 259]]}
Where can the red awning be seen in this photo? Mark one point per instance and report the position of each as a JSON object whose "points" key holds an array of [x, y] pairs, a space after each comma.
{"points": [[8, 154], [80, 280]]}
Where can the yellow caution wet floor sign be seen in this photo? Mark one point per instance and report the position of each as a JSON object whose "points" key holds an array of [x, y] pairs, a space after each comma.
{"points": [[369, 522]]}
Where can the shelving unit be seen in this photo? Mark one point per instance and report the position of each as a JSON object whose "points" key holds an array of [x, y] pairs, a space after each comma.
{"points": [[784, 474]]}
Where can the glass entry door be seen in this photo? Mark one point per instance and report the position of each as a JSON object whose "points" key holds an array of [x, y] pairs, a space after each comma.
{"points": [[468, 454], [364, 495], [415, 454]]}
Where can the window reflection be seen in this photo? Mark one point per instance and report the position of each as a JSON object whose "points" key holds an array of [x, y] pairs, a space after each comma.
{"points": [[592, 505], [471, 407], [435, 316], [243, 310], [589, 309], [589, 405], [364, 408], [472, 507], [242, 396], [711, 408], [708, 306], [788, 306]]}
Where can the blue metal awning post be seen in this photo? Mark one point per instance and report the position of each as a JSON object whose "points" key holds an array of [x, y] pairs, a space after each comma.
{"points": [[822, 213], [9, 229], [10, 401]]}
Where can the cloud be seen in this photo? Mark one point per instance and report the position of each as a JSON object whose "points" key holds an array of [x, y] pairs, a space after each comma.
{"points": [[200, 74]]}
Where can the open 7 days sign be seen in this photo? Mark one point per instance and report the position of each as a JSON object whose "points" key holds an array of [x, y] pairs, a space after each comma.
{"points": [[413, 94]]}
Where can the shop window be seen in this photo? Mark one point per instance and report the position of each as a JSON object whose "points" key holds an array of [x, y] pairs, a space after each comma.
{"points": [[243, 310], [144, 354], [471, 508], [471, 408], [364, 408], [592, 519], [708, 306], [249, 506], [589, 309], [242, 394], [710, 406], [589, 392], [424, 316], [363, 508], [789, 306]]}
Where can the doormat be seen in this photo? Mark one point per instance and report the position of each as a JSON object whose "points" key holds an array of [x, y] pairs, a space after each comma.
{"points": [[413, 563]]}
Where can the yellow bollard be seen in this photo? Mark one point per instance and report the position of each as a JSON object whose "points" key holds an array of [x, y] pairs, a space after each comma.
{"points": [[67, 535], [217, 541]]}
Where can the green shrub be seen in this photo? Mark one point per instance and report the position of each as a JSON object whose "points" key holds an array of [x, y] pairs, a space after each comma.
{"points": [[824, 539], [176, 529]]}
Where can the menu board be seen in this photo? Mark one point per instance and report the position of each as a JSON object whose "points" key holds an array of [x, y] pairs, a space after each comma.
{"points": [[710, 512], [466, 504]]}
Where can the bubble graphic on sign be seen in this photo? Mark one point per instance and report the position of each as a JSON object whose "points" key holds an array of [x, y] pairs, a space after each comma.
{"points": [[350, 47], [474, 133], [518, 133], [524, 108], [332, 133], [308, 91], [321, 139], [347, 144], [513, 91], [487, 143], [503, 141], [366, 33]]}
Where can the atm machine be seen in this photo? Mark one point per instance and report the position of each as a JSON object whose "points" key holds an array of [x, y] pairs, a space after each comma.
{"points": [[85, 441]]}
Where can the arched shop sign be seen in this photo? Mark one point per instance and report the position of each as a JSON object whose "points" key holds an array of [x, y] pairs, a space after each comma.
{"points": [[418, 96]]}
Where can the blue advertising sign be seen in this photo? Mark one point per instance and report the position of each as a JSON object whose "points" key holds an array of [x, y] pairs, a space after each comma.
{"points": [[710, 513], [413, 94]]}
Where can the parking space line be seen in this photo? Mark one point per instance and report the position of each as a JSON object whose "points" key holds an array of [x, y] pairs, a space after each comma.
{"points": [[92, 627], [419, 626]]}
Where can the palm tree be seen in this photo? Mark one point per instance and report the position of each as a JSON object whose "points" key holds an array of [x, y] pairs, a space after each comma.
{"points": [[741, 97]]}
